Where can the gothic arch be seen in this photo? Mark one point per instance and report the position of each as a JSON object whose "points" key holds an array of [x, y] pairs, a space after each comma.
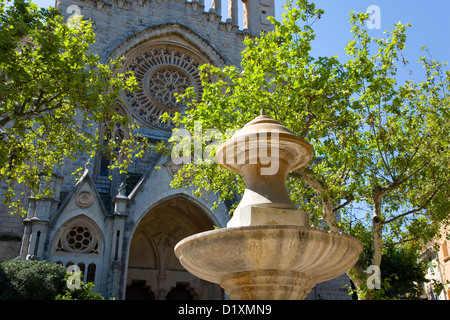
{"points": [[79, 235], [118, 133], [181, 196], [170, 33], [151, 258], [80, 242]]}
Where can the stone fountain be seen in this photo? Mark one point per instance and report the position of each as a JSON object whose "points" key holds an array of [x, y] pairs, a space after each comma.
{"points": [[267, 251]]}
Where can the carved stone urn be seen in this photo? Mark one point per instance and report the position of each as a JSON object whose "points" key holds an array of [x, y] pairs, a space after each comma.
{"points": [[267, 251]]}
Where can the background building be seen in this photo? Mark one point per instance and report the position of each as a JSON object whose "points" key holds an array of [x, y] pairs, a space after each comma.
{"points": [[439, 270]]}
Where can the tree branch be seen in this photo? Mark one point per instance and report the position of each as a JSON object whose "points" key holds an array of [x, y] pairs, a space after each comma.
{"points": [[19, 110], [400, 242], [403, 215], [382, 191], [415, 172], [350, 198], [308, 176], [421, 207]]}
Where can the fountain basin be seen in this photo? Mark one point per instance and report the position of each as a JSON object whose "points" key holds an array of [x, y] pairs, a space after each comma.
{"points": [[268, 261]]}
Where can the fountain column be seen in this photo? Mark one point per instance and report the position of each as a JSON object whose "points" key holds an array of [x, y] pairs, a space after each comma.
{"points": [[267, 251]]}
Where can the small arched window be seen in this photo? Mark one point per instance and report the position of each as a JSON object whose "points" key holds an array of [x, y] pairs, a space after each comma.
{"points": [[80, 236], [78, 239], [90, 275]]}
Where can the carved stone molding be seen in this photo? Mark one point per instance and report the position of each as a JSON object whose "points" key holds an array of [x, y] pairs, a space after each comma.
{"points": [[84, 199]]}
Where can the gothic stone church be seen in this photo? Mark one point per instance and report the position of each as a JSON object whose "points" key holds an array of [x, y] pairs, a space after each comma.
{"points": [[123, 238]]}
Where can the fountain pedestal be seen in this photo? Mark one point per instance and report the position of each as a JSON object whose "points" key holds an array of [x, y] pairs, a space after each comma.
{"points": [[267, 250]]}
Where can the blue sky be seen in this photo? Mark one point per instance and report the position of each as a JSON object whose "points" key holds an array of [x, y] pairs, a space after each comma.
{"points": [[429, 19]]}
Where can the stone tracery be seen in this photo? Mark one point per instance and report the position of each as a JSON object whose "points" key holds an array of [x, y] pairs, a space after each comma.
{"points": [[164, 83], [78, 239], [161, 73]]}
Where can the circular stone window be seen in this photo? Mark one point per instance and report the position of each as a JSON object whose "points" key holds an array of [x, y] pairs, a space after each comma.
{"points": [[164, 83], [79, 239], [162, 74]]}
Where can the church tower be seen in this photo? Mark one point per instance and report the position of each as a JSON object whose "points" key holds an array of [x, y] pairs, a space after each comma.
{"points": [[256, 13]]}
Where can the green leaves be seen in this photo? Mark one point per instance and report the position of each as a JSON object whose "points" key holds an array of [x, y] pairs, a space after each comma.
{"points": [[31, 280], [52, 91]]}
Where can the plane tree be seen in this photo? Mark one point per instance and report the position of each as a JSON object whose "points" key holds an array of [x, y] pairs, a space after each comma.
{"points": [[381, 144]]}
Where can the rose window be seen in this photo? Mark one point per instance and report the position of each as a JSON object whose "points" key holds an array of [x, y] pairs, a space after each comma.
{"points": [[78, 239], [162, 74], [164, 83]]}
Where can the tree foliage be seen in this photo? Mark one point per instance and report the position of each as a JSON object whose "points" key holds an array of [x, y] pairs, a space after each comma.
{"points": [[402, 272], [84, 292], [380, 144], [53, 95], [41, 280], [31, 280]]}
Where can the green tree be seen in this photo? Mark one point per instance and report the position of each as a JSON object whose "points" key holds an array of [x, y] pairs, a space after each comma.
{"points": [[41, 280], [84, 292], [402, 273], [378, 143], [31, 280], [53, 95], [407, 275]]}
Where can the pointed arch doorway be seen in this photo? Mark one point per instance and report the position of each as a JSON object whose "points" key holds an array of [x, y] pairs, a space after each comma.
{"points": [[154, 271]]}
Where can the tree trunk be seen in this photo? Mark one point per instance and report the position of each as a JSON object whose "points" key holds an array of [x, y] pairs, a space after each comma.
{"points": [[377, 227], [358, 275], [328, 214], [307, 175]]}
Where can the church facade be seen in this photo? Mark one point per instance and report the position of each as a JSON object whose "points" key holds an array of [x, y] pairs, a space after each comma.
{"points": [[121, 232]]}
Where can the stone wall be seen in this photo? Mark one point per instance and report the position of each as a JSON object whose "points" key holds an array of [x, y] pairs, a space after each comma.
{"points": [[117, 21]]}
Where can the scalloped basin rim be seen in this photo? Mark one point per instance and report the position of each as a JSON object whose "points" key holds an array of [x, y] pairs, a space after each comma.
{"points": [[213, 254]]}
